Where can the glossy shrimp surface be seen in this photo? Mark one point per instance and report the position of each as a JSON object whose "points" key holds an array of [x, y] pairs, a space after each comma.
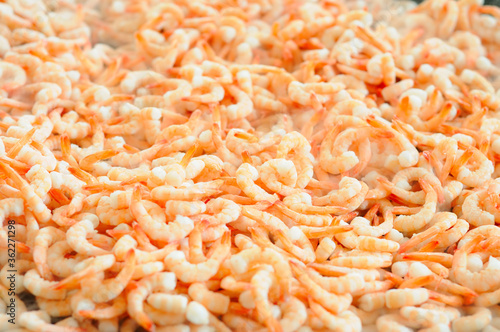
{"points": [[257, 165]]}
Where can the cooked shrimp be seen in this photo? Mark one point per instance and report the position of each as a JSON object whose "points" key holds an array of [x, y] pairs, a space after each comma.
{"points": [[164, 281], [156, 228], [187, 272]]}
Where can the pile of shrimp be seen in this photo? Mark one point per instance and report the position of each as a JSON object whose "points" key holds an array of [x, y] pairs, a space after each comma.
{"points": [[253, 165]]}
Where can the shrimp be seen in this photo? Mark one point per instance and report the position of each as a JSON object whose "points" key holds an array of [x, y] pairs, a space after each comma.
{"points": [[187, 272], [483, 281], [280, 176], [165, 193], [111, 288], [243, 107], [34, 202], [305, 219], [335, 157], [335, 303], [117, 308], [303, 249], [479, 319], [213, 302], [262, 282], [472, 212], [88, 267], [37, 286], [164, 281], [425, 317], [268, 220], [483, 168], [156, 228], [184, 208], [303, 93], [373, 244], [40, 180], [76, 238], [245, 177], [45, 237], [392, 322], [440, 223], [397, 298], [337, 198], [40, 321], [58, 263], [417, 221], [223, 211], [346, 321], [302, 203], [55, 308], [127, 242], [175, 304], [11, 207]]}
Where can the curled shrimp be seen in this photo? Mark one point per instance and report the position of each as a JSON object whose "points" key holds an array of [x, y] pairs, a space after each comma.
{"points": [[245, 177], [154, 227], [46, 237], [39, 209], [76, 238], [222, 211], [335, 303], [111, 288], [164, 281], [424, 216], [187, 272]]}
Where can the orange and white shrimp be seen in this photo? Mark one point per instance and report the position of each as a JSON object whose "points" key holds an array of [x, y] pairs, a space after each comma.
{"points": [[335, 303], [401, 182], [155, 227], [40, 321], [164, 281], [420, 219], [91, 267], [40, 180], [482, 168], [13, 76], [296, 243], [184, 208], [127, 242], [55, 308], [112, 215], [221, 211], [34, 202], [346, 321], [212, 301], [479, 319], [171, 303], [111, 288], [483, 281], [187, 272], [262, 282], [398, 298], [243, 106], [303, 93], [338, 197], [59, 264], [45, 237], [246, 175], [297, 143], [309, 220], [279, 175], [76, 238], [472, 211], [38, 286]]}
